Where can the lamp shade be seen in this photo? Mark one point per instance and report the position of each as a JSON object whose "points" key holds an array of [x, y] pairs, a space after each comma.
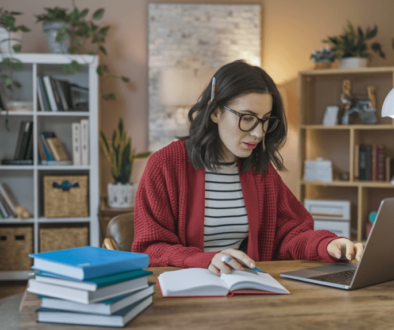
{"points": [[388, 105]]}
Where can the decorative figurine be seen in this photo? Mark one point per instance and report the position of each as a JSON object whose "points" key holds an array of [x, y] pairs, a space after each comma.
{"points": [[364, 107]]}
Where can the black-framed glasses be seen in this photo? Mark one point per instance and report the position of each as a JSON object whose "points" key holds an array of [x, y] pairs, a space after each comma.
{"points": [[248, 122]]}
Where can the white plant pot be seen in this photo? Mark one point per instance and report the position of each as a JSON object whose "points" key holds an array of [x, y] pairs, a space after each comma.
{"points": [[352, 62], [120, 195], [15, 38]]}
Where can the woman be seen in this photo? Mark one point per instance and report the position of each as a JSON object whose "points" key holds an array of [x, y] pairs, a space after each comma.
{"points": [[214, 200]]}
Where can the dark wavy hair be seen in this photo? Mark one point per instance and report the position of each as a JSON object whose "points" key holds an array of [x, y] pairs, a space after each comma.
{"points": [[233, 80]]}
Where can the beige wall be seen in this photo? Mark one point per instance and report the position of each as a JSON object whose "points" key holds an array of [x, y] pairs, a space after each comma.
{"points": [[292, 29]]}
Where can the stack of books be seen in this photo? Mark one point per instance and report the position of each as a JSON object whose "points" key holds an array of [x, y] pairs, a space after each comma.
{"points": [[23, 154], [91, 286], [60, 95], [318, 170]]}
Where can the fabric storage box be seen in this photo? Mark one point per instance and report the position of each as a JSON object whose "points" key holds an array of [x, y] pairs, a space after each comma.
{"points": [[66, 196], [63, 236], [16, 242]]}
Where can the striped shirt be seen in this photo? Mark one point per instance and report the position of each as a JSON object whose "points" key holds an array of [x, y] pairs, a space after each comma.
{"points": [[226, 222]]}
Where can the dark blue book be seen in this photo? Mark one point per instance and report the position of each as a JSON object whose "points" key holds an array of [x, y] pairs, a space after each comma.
{"points": [[119, 319], [106, 307], [88, 262]]}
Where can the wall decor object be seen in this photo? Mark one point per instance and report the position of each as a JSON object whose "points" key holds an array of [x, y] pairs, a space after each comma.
{"points": [[187, 44], [364, 106], [331, 115]]}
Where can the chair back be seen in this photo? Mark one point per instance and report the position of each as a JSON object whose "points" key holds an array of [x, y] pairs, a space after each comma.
{"points": [[121, 230]]}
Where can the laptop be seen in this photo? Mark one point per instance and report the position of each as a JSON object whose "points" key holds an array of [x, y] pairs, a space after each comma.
{"points": [[375, 266]]}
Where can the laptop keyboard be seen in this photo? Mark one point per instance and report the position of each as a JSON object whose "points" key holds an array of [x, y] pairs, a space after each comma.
{"points": [[344, 277]]}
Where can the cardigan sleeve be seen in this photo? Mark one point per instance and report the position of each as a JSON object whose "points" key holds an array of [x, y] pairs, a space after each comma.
{"points": [[295, 237], [156, 222]]}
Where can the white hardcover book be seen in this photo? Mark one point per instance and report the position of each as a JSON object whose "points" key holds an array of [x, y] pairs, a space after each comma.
{"points": [[85, 141], [84, 296], [76, 141], [49, 90]]}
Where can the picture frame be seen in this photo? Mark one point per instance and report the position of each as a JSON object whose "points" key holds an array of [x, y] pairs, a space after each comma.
{"points": [[331, 115]]}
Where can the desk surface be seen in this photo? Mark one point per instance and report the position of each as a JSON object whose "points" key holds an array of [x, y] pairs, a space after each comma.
{"points": [[309, 306]]}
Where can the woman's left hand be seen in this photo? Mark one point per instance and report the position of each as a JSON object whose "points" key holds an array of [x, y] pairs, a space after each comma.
{"points": [[344, 248]]}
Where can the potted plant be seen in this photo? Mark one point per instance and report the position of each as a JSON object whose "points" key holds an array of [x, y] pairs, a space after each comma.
{"points": [[10, 35], [323, 58], [351, 48], [70, 34], [121, 156], [57, 28]]}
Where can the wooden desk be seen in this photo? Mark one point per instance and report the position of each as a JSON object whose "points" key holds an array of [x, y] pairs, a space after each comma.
{"points": [[308, 307]]}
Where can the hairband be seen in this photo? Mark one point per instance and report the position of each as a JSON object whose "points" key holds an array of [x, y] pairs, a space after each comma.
{"points": [[213, 88]]}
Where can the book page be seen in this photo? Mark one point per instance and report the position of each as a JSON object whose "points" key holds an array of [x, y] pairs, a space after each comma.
{"points": [[238, 280], [191, 282]]}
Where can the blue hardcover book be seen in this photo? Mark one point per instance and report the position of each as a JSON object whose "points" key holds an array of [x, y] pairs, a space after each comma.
{"points": [[106, 307], [91, 284], [119, 319], [88, 262]]}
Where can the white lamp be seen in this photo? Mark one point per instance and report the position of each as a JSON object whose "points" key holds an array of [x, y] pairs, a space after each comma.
{"points": [[388, 105]]}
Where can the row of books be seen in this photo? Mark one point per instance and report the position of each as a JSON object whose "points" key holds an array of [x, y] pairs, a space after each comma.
{"points": [[60, 95], [51, 149], [91, 286], [8, 202], [371, 163]]}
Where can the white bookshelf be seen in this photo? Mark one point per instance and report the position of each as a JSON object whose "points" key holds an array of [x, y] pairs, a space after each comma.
{"points": [[26, 181]]}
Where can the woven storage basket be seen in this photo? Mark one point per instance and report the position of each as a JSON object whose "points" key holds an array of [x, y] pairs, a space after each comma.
{"points": [[66, 196], [16, 242], [63, 236]]}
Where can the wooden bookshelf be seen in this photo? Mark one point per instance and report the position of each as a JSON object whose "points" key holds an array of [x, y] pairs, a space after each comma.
{"points": [[26, 181], [318, 89]]}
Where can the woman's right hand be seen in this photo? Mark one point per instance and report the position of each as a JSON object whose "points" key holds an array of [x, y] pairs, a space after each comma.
{"points": [[238, 260]]}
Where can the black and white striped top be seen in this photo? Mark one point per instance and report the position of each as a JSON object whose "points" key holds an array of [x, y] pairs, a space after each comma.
{"points": [[226, 222]]}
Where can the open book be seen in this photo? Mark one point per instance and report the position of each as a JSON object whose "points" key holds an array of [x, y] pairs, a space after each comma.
{"points": [[200, 282]]}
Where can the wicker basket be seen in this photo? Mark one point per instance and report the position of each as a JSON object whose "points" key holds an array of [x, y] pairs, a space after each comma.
{"points": [[63, 236], [66, 196], [16, 242]]}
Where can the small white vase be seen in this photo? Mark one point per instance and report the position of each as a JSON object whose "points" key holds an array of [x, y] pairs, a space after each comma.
{"points": [[14, 38], [120, 195], [352, 62]]}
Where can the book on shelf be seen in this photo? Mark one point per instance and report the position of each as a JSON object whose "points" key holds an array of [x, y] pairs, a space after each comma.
{"points": [[55, 162], [3, 211], [356, 161], [380, 163], [372, 163], [85, 141], [374, 160], [76, 143], [17, 161], [8, 198], [88, 262], [57, 149], [200, 282], [368, 162], [119, 319], [60, 95], [362, 163], [105, 307]]}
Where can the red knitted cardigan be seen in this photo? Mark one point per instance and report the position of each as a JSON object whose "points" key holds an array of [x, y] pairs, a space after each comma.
{"points": [[169, 215]]}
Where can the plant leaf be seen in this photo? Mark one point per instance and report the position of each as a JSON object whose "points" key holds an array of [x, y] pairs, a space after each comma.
{"points": [[18, 66], [110, 96], [125, 79], [103, 50], [99, 70], [17, 48], [62, 34], [104, 30], [142, 155], [372, 33], [75, 66], [98, 13], [73, 50], [17, 84]]}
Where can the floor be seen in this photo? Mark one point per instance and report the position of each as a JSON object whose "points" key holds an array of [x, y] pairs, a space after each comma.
{"points": [[8, 288]]}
